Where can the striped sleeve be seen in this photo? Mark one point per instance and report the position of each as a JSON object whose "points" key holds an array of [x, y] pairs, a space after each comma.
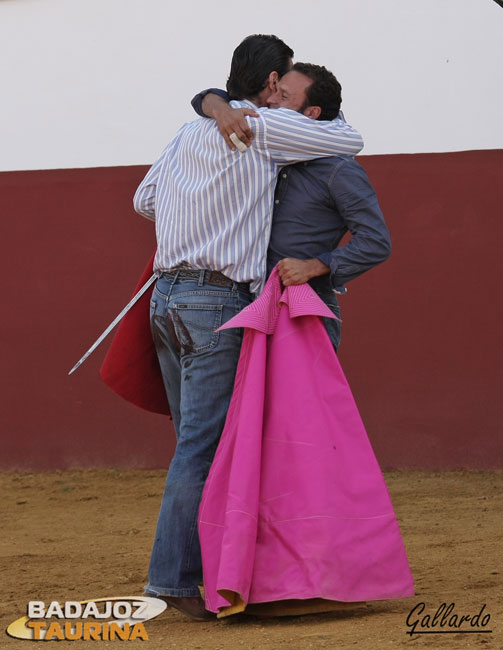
{"points": [[145, 195], [291, 137]]}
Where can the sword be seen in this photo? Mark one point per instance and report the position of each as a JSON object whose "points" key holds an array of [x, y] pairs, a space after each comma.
{"points": [[116, 320]]}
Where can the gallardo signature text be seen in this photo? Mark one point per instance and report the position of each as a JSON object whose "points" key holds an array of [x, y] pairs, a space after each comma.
{"points": [[445, 621]]}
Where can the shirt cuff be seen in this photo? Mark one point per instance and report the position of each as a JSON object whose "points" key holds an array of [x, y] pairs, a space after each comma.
{"points": [[327, 259]]}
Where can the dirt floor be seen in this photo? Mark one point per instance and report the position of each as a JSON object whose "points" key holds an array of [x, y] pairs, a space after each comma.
{"points": [[87, 534]]}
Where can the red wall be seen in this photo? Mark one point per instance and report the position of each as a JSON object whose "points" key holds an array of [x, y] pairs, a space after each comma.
{"points": [[420, 340]]}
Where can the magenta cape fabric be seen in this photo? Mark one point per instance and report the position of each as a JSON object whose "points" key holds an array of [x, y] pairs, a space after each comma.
{"points": [[295, 505]]}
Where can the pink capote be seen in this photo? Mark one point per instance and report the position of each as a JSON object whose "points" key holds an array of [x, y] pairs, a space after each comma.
{"points": [[295, 505]]}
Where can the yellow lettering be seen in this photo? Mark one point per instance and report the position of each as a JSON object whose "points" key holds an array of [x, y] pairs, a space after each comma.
{"points": [[36, 627], [92, 632], [117, 631], [139, 632], [70, 634], [54, 631]]}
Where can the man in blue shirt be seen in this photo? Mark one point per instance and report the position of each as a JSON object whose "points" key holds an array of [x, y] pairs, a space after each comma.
{"points": [[315, 202]]}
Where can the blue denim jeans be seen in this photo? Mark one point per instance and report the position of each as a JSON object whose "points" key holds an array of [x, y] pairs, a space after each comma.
{"points": [[332, 326], [198, 367]]}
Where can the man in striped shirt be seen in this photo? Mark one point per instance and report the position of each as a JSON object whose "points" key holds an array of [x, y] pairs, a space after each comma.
{"points": [[212, 209]]}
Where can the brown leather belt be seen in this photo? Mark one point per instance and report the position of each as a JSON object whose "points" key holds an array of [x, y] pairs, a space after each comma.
{"points": [[214, 278]]}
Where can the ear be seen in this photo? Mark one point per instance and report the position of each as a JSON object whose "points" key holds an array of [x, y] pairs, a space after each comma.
{"points": [[313, 112], [272, 81]]}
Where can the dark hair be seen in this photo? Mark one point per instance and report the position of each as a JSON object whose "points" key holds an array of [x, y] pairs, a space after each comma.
{"points": [[325, 91], [253, 61]]}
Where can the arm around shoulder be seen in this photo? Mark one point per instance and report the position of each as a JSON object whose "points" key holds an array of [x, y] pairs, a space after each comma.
{"points": [[292, 137], [214, 103]]}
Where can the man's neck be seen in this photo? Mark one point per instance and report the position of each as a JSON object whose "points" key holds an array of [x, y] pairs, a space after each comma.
{"points": [[260, 99]]}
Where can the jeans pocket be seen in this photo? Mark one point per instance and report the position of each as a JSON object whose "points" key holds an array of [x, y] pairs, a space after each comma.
{"points": [[194, 326]]}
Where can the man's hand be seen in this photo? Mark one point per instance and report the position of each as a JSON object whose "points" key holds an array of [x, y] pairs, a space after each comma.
{"points": [[293, 271], [229, 120]]}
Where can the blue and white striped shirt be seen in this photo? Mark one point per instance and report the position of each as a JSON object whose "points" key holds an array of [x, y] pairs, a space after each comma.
{"points": [[213, 206]]}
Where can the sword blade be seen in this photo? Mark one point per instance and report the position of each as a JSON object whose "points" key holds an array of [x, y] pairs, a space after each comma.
{"points": [[116, 320]]}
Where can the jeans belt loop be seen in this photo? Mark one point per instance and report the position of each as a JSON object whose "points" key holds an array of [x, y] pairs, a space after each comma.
{"points": [[171, 285], [200, 282]]}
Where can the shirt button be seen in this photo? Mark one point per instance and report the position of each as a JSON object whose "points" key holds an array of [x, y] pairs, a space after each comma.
{"points": [[285, 175], [277, 201]]}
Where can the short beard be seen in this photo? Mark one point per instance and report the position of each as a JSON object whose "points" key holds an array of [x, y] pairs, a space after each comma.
{"points": [[305, 105]]}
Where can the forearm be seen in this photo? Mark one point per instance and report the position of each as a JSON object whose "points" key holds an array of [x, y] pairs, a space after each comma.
{"points": [[197, 100], [292, 137], [214, 105], [362, 253]]}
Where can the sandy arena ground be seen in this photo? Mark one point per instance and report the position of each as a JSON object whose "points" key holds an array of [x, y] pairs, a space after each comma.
{"points": [[87, 534]]}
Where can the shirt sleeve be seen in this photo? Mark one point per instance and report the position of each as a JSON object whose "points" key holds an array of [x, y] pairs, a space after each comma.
{"points": [[144, 198], [197, 100], [370, 243], [291, 137]]}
